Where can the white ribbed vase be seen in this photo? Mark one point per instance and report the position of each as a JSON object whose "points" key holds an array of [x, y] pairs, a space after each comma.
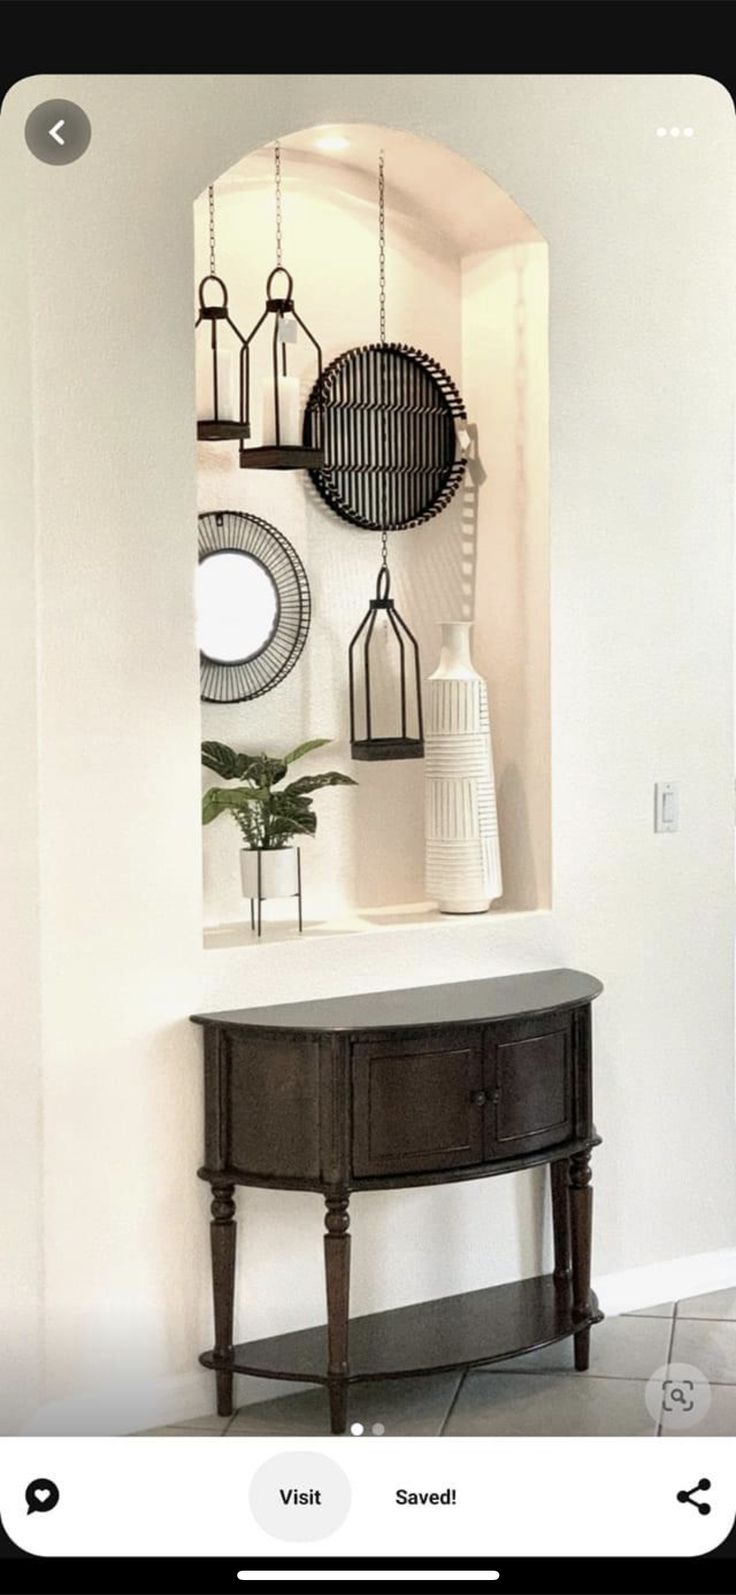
{"points": [[463, 857]]}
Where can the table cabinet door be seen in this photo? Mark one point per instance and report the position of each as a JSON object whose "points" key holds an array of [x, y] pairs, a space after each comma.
{"points": [[417, 1104], [529, 1075]]}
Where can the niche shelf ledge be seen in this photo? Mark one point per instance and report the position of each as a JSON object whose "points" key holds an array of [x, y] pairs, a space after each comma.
{"points": [[360, 921]]}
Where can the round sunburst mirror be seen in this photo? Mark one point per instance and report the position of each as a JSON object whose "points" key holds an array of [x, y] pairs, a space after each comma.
{"points": [[253, 606]]}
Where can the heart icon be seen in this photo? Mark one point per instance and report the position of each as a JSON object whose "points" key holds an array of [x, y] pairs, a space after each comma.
{"points": [[42, 1495]]}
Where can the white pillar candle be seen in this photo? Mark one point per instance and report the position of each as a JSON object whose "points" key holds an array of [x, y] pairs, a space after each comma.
{"points": [[228, 383], [289, 428]]}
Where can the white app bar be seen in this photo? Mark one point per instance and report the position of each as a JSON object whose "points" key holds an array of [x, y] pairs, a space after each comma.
{"points": [[394, 1497]]}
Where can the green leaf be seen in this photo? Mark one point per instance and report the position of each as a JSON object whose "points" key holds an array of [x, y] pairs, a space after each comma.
{"points": [[289, 816], [312, 783], [282, 827], [287, 802], [210, 809], [219, 757], [220, 799], [265, 771], [306, 747], [226, 762]]}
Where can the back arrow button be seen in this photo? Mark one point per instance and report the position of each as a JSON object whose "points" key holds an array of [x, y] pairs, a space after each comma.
{"points": [[58, 132]]}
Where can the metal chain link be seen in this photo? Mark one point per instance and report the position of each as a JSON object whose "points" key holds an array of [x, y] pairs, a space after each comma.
{"points": [[277, 177], [382, 322], [211, 194], [382, 246]]}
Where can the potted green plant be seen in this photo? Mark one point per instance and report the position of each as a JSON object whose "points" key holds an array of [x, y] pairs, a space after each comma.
{"points": [[267, 814]]}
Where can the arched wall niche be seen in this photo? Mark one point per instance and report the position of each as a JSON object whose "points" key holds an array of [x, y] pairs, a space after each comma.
{"points": [[467, 282]]}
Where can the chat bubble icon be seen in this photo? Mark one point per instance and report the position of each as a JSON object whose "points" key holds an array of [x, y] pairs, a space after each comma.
{"points": [[42, 1495]]}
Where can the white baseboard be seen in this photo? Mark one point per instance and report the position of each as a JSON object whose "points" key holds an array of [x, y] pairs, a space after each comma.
{"points": [[633, 1288]]}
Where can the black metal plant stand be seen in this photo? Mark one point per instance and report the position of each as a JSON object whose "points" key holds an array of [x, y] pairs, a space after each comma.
{"points": [[256, 916]]}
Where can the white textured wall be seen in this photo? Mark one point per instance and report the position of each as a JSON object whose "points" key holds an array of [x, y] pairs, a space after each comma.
{"points": [[641, 247]]}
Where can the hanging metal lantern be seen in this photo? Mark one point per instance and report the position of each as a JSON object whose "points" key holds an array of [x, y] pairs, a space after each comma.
{"points": [[405, 682], [224, 417], [281, 447]]}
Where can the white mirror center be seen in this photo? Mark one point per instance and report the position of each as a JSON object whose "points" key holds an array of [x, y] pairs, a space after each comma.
{"points": [[237, 606]]}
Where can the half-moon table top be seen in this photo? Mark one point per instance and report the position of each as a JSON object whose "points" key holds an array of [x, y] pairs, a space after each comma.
{"points": [[462, 1002]]}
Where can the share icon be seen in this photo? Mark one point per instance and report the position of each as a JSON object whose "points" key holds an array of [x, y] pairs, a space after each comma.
{"points": [[687, 1495]]}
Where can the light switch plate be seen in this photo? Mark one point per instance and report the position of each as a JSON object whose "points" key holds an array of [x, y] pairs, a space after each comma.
{"points": [[666, 806]]}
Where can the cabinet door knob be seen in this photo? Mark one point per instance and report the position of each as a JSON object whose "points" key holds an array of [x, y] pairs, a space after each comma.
{"points": [[479, 1098]]}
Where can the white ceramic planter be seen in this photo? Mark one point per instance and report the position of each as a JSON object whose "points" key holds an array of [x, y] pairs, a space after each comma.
{"points": [[463, 856], [279, 872]]}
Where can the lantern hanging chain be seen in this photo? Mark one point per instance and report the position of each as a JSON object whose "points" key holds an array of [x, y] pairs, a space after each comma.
{"points": [[382, 247], [382, 323], [277, 184], [211, 194]]}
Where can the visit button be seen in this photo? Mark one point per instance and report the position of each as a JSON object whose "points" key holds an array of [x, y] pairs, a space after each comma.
{"points": [[300, 1496]]}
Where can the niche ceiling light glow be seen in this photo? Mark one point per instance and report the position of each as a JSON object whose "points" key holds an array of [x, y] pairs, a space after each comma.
{"points": [[332, 143]]}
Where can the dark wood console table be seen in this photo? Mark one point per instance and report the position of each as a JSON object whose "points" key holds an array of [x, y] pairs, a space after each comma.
{"points": [[404, 1088]]}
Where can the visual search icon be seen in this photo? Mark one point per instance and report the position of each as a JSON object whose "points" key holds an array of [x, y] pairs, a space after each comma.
{"points": [[703, 1507], [42, 1495], [678, 1396]]}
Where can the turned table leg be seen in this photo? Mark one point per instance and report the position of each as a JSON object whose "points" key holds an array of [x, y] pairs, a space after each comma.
{"points": [[337, 1279], [222, 1241], [581, 1218], [559, 1174]]}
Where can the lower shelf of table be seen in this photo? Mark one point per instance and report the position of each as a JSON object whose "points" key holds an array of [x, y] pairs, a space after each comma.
{"points": [[451, 1332]]}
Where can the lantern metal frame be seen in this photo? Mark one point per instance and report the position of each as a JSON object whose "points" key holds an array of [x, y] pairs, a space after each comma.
{"points": [[403, 746], [280, 456], [217, 430]]}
